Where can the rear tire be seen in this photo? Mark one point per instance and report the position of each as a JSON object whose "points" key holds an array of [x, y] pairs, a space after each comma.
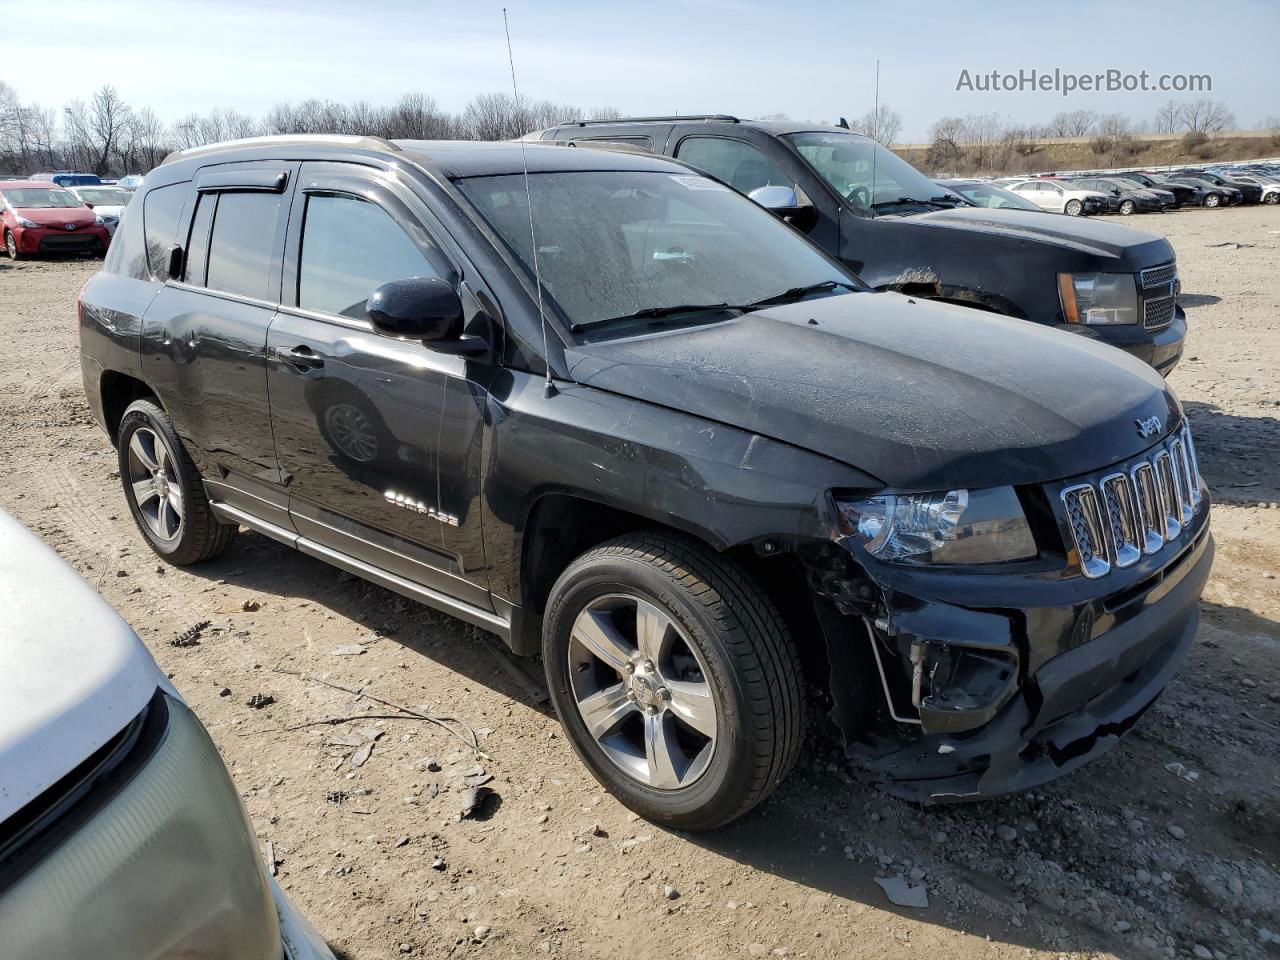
{"points": [[1073, 208], [642, 630], [164, 491], [1271, 198]]}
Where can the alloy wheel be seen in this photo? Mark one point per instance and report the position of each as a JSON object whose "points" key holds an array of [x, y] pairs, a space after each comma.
{"points": [[154, 484], [11, 246], [642, 691]]}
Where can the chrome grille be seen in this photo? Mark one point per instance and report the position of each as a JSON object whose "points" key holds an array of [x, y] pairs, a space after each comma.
{"points": [[1157, 313], [1136, 510], [1158, 276], [1081, 502]]}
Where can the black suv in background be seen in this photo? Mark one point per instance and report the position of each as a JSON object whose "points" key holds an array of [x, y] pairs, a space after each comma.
{"points": [[898, 231], [698, 468]]}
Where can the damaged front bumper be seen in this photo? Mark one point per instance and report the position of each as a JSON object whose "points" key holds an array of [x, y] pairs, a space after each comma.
{"points": [[1033, 685]]}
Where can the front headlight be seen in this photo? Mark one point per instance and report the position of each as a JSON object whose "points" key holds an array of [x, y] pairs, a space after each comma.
{"points": [[166, 867], [29, 224], [99, 222], [1098, 298], [959, 526]]}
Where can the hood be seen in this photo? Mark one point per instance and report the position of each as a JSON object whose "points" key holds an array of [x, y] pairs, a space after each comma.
{"points": [[74, 673], [58, 216], [1096, 237], [109, 210], [922, 395]]}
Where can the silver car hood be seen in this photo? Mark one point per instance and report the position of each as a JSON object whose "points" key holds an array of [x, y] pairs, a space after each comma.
{"points": [[74, 674]]}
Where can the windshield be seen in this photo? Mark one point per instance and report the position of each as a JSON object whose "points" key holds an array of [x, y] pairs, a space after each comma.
{"points": [[612, 243], [985, 195], [1130, 184], [105, 197], [865, 173], [31, 198]]}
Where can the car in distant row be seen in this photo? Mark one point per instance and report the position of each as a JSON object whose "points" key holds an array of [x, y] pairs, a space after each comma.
{"points": [[984, 194], [39, 217], [1058, 196], [1269, 185], [1130, 196], [67, 178], [106, 201]]}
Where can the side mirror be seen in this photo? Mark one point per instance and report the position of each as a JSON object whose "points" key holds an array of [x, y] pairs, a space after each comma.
{"points": [[781, 200], [426, 309], [87, 204]]}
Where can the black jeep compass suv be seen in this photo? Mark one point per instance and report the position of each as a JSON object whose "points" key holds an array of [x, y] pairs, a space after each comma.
{"points": [[698, 467]]}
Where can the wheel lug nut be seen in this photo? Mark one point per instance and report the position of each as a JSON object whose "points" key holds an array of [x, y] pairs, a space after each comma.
{"points": [[631, 667]]}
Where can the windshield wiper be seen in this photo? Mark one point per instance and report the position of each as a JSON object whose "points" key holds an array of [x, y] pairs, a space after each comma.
{"points": [[799, 293], [649, 313], [904, 201]]}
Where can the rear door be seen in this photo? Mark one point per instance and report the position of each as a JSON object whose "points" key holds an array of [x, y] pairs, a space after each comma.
{"points": [[360, 418], [204, 335]]}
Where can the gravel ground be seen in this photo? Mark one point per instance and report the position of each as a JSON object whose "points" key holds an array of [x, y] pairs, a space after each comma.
{"points": [[1168, 846]]}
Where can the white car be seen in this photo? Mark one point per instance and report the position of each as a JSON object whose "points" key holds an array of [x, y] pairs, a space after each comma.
{"points": [[122, 837], [1059, 196], [106, 201]]}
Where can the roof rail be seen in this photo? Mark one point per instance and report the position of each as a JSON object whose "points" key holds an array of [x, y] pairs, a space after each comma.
{"points": [[287, 139], [722, 117]]}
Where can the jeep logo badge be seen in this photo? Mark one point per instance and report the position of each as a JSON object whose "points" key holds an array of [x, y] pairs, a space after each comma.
{"points": [[1148, 427]]}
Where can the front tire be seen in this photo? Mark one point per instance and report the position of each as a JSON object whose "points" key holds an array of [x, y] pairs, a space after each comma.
{"points": [[1212, 200], [674, 678], [11, 246], [164, 491], [1073, 208], [1127, 207], [1271, 198]]}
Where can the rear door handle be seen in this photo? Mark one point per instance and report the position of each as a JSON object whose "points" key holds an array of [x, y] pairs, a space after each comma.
{"points": [[300, 356]]}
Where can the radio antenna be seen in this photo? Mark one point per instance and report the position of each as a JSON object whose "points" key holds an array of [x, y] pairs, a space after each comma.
{"points": [[875, 137], [549, 389]]}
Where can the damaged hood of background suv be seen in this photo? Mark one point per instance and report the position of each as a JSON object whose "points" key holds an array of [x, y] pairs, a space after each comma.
{"points": [[922, 395]]}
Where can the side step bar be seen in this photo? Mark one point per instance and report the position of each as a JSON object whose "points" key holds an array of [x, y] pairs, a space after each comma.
{"points": [[432, 598]]}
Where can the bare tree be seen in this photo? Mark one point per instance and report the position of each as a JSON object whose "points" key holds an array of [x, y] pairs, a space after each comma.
{"points": [[1168, 117], [1072, 123], [1206, 116], [882, 125]]}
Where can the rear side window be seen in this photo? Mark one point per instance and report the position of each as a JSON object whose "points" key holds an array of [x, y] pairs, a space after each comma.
{"points": [[161, 211], [198, 239], [738, 164], [244, 233], [350, 248]]}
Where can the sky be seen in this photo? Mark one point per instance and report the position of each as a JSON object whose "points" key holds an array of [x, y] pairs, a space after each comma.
{"points": [[809, 60]]}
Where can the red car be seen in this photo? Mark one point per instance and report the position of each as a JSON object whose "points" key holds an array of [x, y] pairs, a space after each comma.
{"points": [[43, 218]]}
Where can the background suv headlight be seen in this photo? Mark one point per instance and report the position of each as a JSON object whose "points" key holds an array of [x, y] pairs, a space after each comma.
{"points": [[958, 526], [1098, 298], [167, 867]]}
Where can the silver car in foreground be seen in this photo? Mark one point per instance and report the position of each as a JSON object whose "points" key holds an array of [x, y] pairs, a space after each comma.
{"points": [[122, 837]]}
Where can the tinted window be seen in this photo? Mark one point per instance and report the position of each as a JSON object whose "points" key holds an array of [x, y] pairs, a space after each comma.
{"points": [[244, 233], [161, 210], [738, 164], [198, 239], [349, 248]]}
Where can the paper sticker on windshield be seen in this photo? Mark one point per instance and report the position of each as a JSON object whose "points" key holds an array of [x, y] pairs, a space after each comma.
{"points": [[693, 182]]}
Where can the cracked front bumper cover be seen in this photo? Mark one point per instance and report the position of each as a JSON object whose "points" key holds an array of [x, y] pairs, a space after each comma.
{"points": [[1073, 709]]}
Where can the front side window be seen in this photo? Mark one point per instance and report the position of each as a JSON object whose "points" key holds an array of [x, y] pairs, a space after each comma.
{"points": [[350, 248], [738, 164], [40, 198], [244, 232], [611, 243]]}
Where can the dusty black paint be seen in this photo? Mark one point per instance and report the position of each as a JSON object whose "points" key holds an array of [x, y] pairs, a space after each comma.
{"points": [[736, 433]]}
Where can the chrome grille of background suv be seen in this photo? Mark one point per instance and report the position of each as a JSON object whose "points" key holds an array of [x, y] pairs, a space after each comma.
{"points": [[1136, 510], [1157, 276]]}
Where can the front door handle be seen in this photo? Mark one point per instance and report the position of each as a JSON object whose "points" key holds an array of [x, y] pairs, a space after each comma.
{"points": [[302, 357]]}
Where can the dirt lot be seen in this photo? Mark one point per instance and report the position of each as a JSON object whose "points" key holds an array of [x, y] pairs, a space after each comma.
{"points": [[1132, 857]]}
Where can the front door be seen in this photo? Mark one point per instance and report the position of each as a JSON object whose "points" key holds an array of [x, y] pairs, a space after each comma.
{"points": [[358, 415]]}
